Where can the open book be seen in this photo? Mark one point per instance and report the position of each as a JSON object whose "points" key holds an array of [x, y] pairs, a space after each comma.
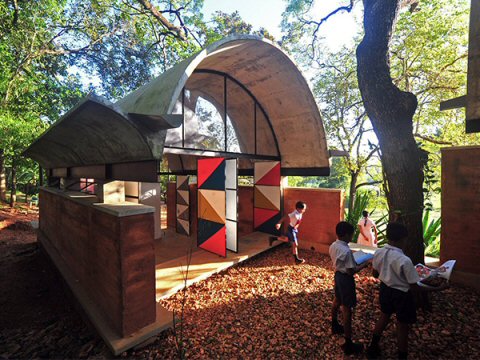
{"points": [[360, 257], [435, 277]]}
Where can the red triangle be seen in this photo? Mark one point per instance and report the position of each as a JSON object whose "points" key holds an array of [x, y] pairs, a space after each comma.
{"points": [[217, 243], [206, 167], [262, 215], [271, 178]]}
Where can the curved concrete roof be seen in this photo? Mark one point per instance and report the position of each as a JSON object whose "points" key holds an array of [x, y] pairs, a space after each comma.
{"points": [[134, 128]]}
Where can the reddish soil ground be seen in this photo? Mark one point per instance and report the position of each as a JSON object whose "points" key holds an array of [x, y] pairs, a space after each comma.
{"points": [[265, 308]]}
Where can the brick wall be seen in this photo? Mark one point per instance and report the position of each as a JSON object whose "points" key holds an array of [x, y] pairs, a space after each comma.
{"points": [[112, 258], [325, 210], [460, 237]]}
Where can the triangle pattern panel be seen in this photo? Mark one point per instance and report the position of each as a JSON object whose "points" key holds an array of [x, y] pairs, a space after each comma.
{"points": [[182, 182], [206, 229], [183, 227], [183, 212], [217, 243], [272, 177], [206, 169], [267, 197], [183, 197], [262, 168], [216, 181], [269, 225], [211, 205], [262, 215]]}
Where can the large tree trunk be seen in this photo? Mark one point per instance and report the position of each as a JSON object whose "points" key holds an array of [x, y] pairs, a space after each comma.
{"points": [[3, 181], [391, 113], [353, 191], [13, 192]]}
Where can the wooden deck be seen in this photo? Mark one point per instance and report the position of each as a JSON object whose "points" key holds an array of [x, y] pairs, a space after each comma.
{"points": [[170, 273]]}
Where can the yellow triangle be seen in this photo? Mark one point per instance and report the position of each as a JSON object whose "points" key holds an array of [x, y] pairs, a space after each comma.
{"points": [[211, 205]]}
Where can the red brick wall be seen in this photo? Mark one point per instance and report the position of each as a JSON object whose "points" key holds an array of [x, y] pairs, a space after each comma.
{"points": [[171, 199], [324, 211], [460, 237], [245, 210], [111, 257]]}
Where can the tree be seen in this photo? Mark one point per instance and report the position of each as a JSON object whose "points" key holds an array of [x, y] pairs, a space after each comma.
{"points": [[48, 48], [344, 117], [391, 112]]}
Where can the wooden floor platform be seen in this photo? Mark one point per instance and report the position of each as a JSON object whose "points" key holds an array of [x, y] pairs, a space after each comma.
{"points": [[170, 274]]}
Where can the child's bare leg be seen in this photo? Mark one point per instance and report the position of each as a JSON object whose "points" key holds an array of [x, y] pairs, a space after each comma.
{"points": [[335, 307], [373, 350], [381, 324], [347, 321], [402, 339], [294, 249]]}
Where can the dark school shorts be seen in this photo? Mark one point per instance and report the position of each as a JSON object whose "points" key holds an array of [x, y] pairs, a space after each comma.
{"points": [[399, 302], [292, 235], [345, 290]]}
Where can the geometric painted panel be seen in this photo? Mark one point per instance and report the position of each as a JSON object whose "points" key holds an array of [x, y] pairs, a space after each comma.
{"points": [[267, 196], [183, 205], [211, 205], [267, 173], [231, 186]]}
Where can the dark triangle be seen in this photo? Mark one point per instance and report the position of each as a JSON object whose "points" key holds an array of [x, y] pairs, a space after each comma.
{"points": [[180, 200], [184, 215], [180, 229], [269, 225], [183, 185], [206, 229], [216, 181]]}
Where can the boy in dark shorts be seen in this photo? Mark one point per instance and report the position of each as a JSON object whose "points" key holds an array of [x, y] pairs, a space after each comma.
{"points": [[294, 219], [345, 293], [398, 278]]}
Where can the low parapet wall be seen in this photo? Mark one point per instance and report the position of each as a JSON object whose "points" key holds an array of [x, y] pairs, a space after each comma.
{"points": [[317, 232], [108, 251], [460, 237]]}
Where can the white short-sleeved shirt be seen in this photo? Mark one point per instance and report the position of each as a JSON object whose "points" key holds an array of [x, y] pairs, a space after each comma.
{"points": [[367, 225], [395, 268], [342, 256], [295, 218]]}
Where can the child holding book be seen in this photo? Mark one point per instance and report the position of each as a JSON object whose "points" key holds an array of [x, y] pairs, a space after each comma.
{"points": [[398, 279], [294, 219], [345, 292]]}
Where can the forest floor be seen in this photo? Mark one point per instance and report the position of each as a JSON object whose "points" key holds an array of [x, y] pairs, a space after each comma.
{"points": [[263, 308]]}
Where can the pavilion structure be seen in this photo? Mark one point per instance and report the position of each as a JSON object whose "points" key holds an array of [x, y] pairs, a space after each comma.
{"points": [[239, 109]]}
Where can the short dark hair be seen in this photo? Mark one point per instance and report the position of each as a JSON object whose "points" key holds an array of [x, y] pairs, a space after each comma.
{"points": [[365, 213], [396, 231], [300, 205], [344, 228]]}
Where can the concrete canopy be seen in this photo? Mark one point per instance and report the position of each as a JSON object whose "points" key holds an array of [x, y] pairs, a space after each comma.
{"points": [[259, 65]]}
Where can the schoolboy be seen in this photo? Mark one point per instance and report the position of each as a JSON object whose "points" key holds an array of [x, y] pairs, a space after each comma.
{"points": [[345, 293], [294, 219], [398, 279]]}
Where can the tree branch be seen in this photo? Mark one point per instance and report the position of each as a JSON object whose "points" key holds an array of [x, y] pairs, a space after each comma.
{"points": [[177, 31], [432, 140], [368, 183]]}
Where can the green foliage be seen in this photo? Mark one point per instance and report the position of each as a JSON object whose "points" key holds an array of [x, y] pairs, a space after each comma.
{"points": [[361, 203], [338, 178], [431, 234], [223, 25]]}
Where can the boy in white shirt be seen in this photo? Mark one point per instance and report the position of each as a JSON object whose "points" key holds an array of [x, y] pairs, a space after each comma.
{"points": [[398, 278], [345, 292], [365, 226], [294, 219]]}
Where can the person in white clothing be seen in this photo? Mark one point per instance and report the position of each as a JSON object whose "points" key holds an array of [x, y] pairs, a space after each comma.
{"points": [[365, 226], [398, 279], [294, 219], [344, 286]]}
